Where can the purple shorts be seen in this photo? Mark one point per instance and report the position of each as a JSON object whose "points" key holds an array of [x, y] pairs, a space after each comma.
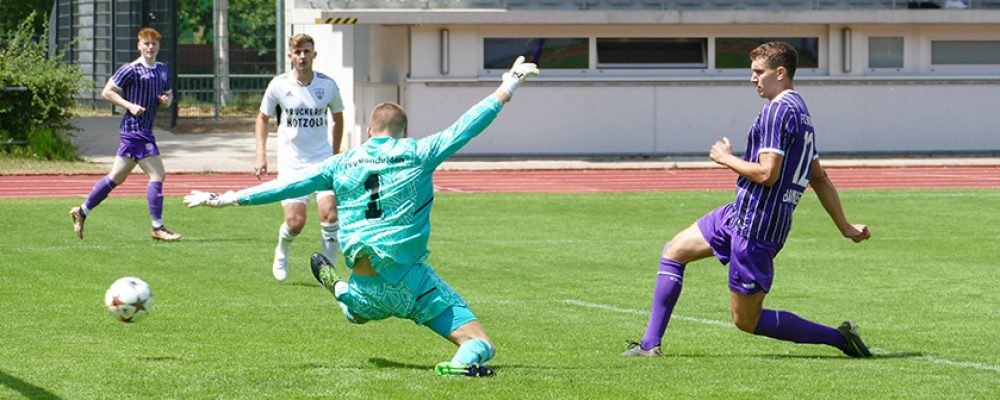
{"points": [[751, 262], [137, 149]]}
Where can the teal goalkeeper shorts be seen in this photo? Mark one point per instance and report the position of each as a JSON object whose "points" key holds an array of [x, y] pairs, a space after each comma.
{"points": [[421, 296]]}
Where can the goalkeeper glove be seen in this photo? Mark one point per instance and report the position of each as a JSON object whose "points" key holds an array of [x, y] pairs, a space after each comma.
{"points": [[199, 198], [518, 73]]}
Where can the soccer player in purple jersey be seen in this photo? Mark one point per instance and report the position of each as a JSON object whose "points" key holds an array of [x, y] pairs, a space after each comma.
{"points": [[139, 87], [780, 161]]}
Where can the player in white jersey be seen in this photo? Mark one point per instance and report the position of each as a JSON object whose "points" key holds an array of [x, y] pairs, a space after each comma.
{"points": [[304, 140]]}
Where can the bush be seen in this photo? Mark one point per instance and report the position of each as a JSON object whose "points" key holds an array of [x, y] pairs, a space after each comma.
{"points": [[39, 117]]}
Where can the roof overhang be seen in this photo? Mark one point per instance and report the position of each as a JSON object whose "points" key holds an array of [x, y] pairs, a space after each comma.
{"points": [[637, 17]]}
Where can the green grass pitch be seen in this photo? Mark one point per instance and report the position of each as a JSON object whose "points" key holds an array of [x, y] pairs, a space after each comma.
{"points": [[559, 282]]}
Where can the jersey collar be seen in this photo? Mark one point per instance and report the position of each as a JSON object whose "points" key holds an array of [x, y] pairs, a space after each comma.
{"points": [[782, 94]]}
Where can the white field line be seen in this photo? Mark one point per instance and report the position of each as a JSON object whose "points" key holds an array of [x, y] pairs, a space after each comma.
{"points": [[938, 360], [887, 353]]}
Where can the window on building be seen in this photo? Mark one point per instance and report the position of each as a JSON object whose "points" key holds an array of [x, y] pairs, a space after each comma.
{"points": [[885, 52], [735, 52], [548, 53], [652, 53], [965, 52]]}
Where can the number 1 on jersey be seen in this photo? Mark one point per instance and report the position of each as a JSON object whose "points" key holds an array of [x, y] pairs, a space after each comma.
{"points": [[371, 184]]}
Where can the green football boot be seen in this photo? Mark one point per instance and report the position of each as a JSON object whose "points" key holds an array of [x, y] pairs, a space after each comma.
{"points": [[323, 271], [454, 368]]}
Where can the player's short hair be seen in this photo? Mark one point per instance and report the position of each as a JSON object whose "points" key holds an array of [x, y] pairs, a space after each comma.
{"points": [[300, 39], [389, 116], [148, 34], [777, 54]]}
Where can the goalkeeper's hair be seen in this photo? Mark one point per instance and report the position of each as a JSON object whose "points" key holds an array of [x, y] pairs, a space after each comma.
{"points": [[389, 117], [777, 54]]}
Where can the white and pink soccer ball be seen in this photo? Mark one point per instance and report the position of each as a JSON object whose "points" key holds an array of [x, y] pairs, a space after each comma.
{"points": [[129, 299]]}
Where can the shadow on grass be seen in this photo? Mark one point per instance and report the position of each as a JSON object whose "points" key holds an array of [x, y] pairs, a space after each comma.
{"points": [[874, 356], [806, 356], [311, 285], [162, 358], [26, 389], [383, 363], [901, 355]]}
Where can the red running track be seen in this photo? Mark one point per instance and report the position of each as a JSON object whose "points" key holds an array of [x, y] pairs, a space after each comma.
{"points": [[535, 181]]}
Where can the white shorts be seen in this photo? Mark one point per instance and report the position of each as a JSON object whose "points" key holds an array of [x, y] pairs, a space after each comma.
{"points": [[284, 170], [305, 199]]}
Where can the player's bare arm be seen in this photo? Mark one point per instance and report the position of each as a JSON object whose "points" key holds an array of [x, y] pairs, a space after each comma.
{"points": [[338, 131], [830, 199], [260, 131], [765, 171], [166, 99], [113, 94]]}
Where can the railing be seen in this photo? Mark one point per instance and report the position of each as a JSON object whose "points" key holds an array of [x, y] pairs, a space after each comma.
{"points": [[196, 95], [649, 4]]}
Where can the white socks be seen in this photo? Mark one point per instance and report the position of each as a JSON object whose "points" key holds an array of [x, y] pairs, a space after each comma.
{"points": [[328, 241], [280, 267], [330, 247]]}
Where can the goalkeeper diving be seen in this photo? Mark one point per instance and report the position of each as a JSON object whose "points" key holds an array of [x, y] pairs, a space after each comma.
{"points": [[385, 193]]}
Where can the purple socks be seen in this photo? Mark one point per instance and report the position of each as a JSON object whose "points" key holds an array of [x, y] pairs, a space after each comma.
{"points": [[784, 325], [669, 282], [154, 196], [100, 192]]}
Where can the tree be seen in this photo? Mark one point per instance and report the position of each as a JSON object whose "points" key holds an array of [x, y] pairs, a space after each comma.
{"points": [[194, 21], [254, 29], [13, 12], [39, 114]]}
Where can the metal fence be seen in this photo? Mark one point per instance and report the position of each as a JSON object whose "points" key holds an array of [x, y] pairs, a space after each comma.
{"points": [[100, 35], [197, 95]]}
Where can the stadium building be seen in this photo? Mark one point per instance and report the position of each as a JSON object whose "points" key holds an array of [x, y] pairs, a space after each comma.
{"points": [[668, 77]]}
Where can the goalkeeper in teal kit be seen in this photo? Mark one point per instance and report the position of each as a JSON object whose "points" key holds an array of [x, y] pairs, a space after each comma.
{"points": [[384, 195]]}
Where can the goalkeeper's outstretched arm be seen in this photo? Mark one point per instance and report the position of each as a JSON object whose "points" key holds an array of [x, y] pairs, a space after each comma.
{"points": [[297, 185]]}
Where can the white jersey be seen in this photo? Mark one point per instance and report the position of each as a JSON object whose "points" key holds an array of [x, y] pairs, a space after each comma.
{"points": [[303, 131]]}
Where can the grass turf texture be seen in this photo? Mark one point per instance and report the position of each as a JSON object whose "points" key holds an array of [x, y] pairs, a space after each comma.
{"points": [[559, 282], [15, 165]]}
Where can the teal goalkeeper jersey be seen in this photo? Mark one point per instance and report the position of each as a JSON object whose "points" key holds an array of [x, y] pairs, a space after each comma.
{"points": [[384, 190]]}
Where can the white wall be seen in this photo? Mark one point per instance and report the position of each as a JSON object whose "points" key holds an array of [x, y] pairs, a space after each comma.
{"points": [[920, 108], [560, 120]]}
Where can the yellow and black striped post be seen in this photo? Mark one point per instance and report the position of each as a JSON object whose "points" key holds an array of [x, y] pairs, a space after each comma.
{"points": [[338, 20]]}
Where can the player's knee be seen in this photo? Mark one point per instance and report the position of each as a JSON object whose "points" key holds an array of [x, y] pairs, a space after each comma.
{"points": [[679, 250], [354, 319], [745, 323], [328, 217], [118, 179], [295, 224]]}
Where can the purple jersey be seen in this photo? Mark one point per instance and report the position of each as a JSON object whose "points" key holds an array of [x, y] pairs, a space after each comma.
{"points": [[783, 127], [141, 85]]}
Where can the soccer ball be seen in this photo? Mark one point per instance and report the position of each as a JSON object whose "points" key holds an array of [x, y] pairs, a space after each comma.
{"points": [[129, 299]]}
